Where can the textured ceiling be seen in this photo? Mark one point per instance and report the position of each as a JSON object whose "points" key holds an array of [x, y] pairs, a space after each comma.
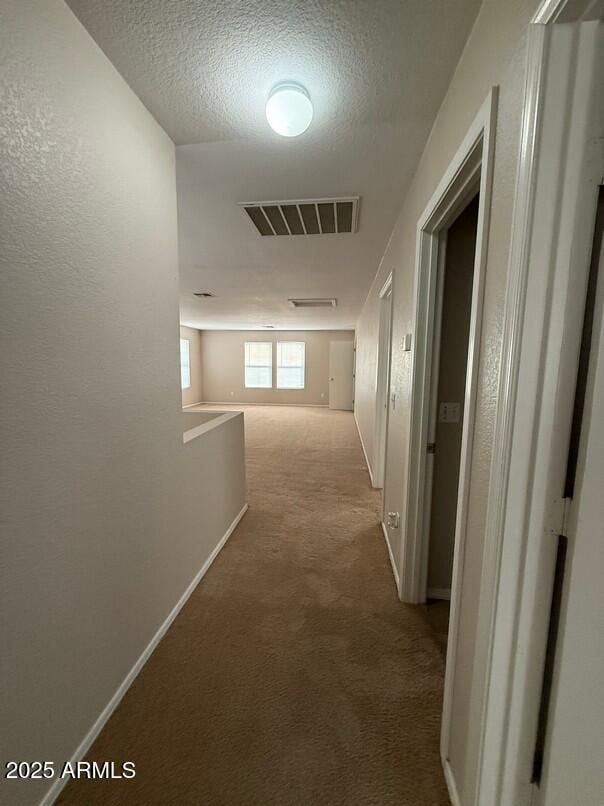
{"points": [[376, 70]]}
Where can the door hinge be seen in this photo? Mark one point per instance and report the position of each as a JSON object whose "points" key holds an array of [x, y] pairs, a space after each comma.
{"points": [[431, 447], [558, 521]]}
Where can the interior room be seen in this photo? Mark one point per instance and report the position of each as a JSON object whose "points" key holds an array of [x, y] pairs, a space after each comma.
{"points": [[301, 336]]}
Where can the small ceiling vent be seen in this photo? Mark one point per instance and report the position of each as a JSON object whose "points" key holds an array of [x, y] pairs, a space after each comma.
{"points": [[304, 216], [313, 303]]}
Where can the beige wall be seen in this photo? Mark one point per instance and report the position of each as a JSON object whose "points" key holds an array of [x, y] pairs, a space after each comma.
{"points": [[106, 514], [455, 328], [494, 55], [194, 393], [222, 360]]}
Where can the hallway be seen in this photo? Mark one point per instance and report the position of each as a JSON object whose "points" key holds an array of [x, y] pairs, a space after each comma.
{"points": [[293, 675]]}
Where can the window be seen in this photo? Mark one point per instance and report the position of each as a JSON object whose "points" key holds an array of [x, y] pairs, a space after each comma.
{"points": [[258, 365], [185, 365], [290, 364]]}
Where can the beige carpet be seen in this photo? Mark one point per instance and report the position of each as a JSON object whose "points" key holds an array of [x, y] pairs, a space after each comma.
{"points": [[293, 675]]}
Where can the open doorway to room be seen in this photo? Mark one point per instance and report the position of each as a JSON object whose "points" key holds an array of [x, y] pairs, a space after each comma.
{"points": [[452, 236], [453, 310], [383, 382]]}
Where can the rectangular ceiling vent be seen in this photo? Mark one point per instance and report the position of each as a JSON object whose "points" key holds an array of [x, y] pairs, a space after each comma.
{"points": [[304, 216], [313, 303]]}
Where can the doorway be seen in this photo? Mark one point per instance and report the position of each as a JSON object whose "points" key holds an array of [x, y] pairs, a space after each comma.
{"points": [[447, 391], [383, 383], [468, 177]]}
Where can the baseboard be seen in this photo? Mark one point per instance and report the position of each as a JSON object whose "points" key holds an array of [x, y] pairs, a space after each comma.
{"points": [[451, 786], [98, 726], [439, 593], [391, 555], [356, 422], [188, 406], [239, 403]]}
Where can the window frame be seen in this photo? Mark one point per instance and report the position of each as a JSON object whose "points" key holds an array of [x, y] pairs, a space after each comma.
{"points": [[258, 366], [188, 364], [302, 366]]}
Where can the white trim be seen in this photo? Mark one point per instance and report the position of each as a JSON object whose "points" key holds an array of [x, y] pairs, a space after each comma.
{"points": [[439, 593], [107, 711], [198, 430], [542, 325], [244, 403], [386, 288], [473, 159], [188, 405], [451, 785], [472, 164], [552, 11], [488, 114], [356, 422], [508, 374], [548, 11], [382, 396], [391, 555]]}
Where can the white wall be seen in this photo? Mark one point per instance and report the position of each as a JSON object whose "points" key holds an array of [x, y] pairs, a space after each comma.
{"points": [[105, 511], [222, 360], [494, 55]]}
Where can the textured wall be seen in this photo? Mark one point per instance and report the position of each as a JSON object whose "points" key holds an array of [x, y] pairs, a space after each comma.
{"points": [[494, 55], [194, 393], [222, 360], [106, 514]]}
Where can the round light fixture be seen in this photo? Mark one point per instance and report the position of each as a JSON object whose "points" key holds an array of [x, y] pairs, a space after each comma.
{"points": [[289, 109]]}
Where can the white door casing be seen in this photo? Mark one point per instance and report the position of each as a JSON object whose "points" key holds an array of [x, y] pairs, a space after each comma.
{"points": [[382, 382], [559, 170]]}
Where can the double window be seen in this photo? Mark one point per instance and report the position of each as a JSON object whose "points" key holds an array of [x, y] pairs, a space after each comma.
{"points": [[185, 365], [259, 364]]}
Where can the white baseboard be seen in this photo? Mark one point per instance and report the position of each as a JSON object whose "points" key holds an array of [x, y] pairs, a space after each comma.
{"points": [[364, 451], [240, 403], [86, 743], [391, 555], [451, 786], [439, 593], [188, 406]]}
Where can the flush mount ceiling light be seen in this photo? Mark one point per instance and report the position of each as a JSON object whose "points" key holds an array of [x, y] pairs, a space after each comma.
{"points": [[289, 109]]}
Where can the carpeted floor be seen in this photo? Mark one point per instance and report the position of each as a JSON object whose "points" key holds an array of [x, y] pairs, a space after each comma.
{"points": [[293, 676]]}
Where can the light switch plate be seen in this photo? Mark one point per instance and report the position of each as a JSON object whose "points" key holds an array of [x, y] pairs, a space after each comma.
{"points": [[449, 412]]}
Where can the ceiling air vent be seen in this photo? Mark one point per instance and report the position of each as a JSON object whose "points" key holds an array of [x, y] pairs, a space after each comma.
{"points": [[313, 303], [304, 216]]}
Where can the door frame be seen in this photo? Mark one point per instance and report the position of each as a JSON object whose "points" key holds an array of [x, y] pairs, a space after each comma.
{"points": [[543, 319], [382, 408], [470, 170]]}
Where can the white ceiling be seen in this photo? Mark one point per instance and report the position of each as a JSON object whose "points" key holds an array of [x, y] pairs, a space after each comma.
{"points": [[376, 70]]}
